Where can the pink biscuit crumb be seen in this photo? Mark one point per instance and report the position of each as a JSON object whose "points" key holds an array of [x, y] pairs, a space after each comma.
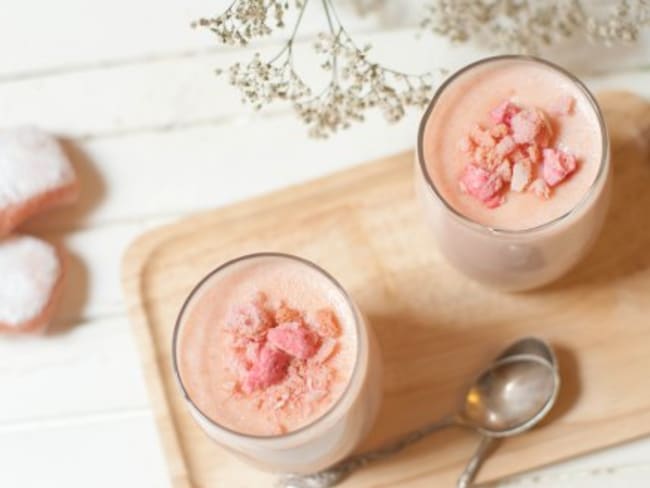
{"points": [[251, 319], [481, 137], [270, 369], [494, 201], [563, 105], [540, 188], [481, 184], [499, 131], [294, 339], [504, 170], [521, 174], [504, 112], [326, 350], [327, 324], [285, 313], [534, 153], [526, 125], [557, 166], [505, 146]]}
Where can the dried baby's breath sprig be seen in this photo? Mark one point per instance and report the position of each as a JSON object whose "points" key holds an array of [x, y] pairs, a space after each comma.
{"points": [[525, 26], [262, 83], [245, 20], [513, 25], [622, 25], [356, 83]]}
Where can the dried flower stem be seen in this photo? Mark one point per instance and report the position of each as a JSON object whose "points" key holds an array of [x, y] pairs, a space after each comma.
{"points": [[356, 84]]}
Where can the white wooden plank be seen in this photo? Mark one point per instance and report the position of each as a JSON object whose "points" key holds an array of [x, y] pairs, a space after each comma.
{"points": [[89, 367], [174, 92], [625, 465], [41, 38], [118, 452]]}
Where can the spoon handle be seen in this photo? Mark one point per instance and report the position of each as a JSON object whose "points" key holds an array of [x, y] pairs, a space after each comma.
{"points": [[337, 473], [475, 463]]}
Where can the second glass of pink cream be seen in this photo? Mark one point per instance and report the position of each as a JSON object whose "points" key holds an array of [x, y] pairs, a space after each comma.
{"points": [[513, 171]]}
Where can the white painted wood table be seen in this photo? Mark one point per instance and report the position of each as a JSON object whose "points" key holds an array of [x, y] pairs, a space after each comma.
{"points": [[155, 136]]}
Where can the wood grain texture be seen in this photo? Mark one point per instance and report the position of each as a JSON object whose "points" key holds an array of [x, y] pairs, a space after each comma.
{"points": [[435, 327]]}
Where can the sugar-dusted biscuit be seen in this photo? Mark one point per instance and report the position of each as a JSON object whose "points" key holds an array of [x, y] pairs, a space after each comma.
{"points": [[35, 175], [31, 277]]}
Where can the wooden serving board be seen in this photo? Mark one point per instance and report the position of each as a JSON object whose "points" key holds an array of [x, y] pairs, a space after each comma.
{"points": [[436, 328]]}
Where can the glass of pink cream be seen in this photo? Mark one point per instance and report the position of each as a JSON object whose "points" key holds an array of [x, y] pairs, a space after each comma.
{"points": [[277, 364], [513, 171]]}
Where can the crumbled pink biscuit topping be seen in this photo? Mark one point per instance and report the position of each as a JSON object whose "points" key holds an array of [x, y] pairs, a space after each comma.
{"points": [[481, 183], [540, 188], [557, 166], [251, 319], [326, 323], [515, 154], [504, 112], [281, 359], [269, 368], [295, 339]]}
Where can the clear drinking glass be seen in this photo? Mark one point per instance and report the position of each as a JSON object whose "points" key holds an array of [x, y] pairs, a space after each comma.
{"points": [[330, 437], [514, 259]]}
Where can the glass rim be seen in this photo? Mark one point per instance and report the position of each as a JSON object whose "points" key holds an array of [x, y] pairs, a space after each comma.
{"points": [[604, 159], [252, 256]]}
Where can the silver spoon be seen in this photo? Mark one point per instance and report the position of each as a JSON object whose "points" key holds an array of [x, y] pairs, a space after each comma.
{"points": [[509, 397], [514, 396]]}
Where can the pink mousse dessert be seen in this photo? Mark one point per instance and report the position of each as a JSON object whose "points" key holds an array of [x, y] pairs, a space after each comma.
{"points": [[512, 170], [277, 363]]}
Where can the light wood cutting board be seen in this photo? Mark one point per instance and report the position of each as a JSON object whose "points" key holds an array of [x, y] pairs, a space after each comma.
{"points": [[436, 328]]}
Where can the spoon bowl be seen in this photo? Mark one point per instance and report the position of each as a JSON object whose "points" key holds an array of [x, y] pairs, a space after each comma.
{"points": [[511, 396]]}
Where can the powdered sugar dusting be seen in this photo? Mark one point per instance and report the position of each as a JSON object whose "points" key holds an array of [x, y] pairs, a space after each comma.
{"points": [[31, 163], [30, 270]]}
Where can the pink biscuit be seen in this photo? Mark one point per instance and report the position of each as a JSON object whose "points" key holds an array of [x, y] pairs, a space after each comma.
{"points": [[32, 279], [327, 324], [557, 166], [481, 184], [270, 368], [482, 137], [526, 125], [294, 339], [251, 319], [505, 146], [36, 176], [503, 113]]}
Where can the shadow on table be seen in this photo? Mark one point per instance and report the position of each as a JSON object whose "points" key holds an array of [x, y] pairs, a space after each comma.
{"points": [[58, 224], [622, 247], [409, 405]]}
